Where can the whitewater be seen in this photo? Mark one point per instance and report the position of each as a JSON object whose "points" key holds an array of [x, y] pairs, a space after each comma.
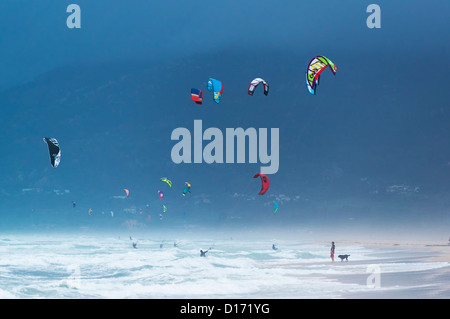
{"points": [[107, 266]]}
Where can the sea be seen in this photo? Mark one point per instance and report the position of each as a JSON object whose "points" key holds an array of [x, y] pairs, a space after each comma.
{"points": [[88, 266]]}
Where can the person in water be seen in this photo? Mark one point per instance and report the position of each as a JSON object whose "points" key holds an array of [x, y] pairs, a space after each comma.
{"points": [[332, 251], [203, 253], [134, 245], [274, 247]]}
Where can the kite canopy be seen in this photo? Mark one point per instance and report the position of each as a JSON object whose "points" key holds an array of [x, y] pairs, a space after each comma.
{"points": [[197, 96], [275, 207], [265, 183], [167, 181], [127, 192], [254, 84], [315, 67], [54, 150], [216, 87], [161, 195], [187, 189]]}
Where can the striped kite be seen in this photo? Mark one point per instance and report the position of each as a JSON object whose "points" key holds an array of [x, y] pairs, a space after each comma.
{"points": [[315, 68]]}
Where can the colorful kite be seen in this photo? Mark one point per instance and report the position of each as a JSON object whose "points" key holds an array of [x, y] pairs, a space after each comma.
{"points": [[254, 84], [315, 68], [167, 181], [187, 189], [197, 96], [265, 183], [216, 87]]}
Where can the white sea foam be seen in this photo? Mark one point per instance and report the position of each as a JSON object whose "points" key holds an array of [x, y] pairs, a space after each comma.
{"points": [[108, 267]]}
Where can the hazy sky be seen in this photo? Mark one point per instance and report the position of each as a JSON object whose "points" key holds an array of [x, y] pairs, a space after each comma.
{"points": [[35, 39], [372, 148]]}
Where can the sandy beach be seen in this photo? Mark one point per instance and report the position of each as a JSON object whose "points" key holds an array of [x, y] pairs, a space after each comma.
{"points": [[403, 271]]}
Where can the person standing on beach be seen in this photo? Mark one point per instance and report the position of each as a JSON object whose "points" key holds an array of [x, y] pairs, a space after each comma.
{"points": [[332, 251]]}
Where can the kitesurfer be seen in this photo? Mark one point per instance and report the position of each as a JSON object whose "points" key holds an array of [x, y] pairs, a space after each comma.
{"points": [[203, 253], [274, 247], [332, 251], [134, 245]]}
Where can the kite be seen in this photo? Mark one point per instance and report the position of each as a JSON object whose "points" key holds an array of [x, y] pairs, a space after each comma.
{"points": [[167, 181], [127, 192], [54, 150], [275, 207], [216, 87], [187, 189], [315, 68], [161, 195], [265, 183], [90, 211], [164, 208], [254, 84], [197, 96]]}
